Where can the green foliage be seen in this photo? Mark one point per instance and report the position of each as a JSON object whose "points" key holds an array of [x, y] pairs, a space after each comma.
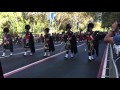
{"points": [[108, 18], [38, 21]]}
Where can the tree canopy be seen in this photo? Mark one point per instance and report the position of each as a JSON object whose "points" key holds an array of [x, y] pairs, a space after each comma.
{"points": [[38, 21]]}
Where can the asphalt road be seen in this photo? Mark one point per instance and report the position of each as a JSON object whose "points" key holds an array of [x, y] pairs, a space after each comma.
{"points": [[53, 67]]}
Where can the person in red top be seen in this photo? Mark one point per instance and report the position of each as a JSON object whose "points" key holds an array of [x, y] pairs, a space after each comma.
{"points": [[29, 41]]}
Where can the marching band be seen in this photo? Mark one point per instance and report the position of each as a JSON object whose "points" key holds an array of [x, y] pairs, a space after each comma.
{"points": [[69, 38]]}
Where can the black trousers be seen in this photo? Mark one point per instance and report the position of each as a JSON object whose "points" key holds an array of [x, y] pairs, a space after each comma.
{"points": [[96, 47]]}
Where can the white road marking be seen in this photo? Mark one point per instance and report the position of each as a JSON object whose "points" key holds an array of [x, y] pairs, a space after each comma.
{"points": [[23, 48], [27, 51], [34, 63], [36, 46]]}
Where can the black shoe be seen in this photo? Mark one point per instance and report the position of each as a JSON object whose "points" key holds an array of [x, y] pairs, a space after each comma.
{"points": [[89, 60], [72, 57], [66, 57], [24, 55], [93, 59], [44, 56]]}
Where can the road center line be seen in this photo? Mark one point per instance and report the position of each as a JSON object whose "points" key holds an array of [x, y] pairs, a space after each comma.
{"points": [[23, 47], [27, 51], [35, 63]]}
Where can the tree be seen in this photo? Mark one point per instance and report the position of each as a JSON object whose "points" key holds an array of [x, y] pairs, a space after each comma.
{"points": [[109, 17]]}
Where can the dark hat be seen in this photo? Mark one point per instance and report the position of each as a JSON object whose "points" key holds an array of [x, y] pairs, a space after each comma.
{"points": [[90, 25], [47, 30], [27, 27], [6, 30], [68, 26]]}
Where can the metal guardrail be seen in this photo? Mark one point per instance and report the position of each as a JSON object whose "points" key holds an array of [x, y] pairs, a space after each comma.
{"points": [[105, 63], [113, 72], [109, 68]]}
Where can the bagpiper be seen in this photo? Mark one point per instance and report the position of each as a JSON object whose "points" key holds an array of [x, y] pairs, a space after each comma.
{"points": [[90, 41], [29, 41], [48, 43], [7, 42], [71, 42]]}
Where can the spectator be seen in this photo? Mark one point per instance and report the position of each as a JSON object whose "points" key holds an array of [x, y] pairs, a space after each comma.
{"points": [[110, 38]]}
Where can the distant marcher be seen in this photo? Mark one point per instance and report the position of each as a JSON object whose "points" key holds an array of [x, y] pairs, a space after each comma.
{"points": [[29, 41], [7, 42]]}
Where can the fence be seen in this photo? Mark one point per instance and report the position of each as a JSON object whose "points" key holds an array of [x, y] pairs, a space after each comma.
{"points": [[109, 68]]}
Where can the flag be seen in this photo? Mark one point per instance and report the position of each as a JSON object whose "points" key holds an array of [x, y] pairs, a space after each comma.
{"points": [[52, 15]]}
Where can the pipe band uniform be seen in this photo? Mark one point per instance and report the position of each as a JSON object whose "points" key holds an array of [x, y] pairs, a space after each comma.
{"points": [[71, 42], [69, 37], [29, 41], [7, 42], [48, 43], [90, 39]]}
